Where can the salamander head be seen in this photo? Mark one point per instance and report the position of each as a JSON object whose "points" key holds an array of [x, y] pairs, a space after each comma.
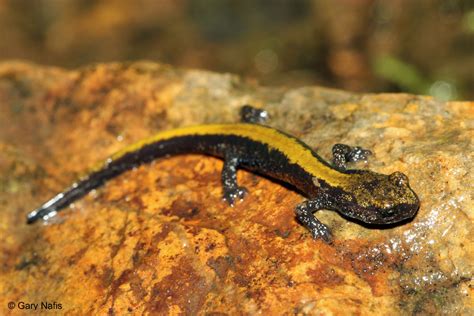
{"points": [[380, 199]]}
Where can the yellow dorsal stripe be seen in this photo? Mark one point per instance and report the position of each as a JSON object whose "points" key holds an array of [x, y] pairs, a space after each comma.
{"points": [[293, 150]]}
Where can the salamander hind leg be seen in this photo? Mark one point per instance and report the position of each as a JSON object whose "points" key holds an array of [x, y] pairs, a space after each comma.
{"points": [[343, 154], [249, 114], [304, 213], [232, 191]]}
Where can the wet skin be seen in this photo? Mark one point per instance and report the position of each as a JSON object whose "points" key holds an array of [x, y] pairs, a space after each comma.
{"points": [[363, 195]]}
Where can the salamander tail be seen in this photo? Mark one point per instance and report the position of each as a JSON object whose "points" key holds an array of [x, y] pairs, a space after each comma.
{"points": [[40, 213]]}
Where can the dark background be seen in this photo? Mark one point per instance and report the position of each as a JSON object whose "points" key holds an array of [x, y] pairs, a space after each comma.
{"points": [[422, 46]]}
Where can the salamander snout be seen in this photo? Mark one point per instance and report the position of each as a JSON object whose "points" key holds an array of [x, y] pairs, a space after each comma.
{"points": [[398, 201]]}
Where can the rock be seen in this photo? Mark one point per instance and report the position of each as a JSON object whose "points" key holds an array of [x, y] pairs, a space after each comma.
{"points": [[159, 238]]}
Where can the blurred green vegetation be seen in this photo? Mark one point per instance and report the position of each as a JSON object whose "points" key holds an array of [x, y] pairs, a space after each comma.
{"points": [[409, 79], [423, 47]]}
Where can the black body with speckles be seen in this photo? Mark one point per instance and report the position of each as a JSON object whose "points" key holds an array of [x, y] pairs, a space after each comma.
{"points": [[366, 196]]}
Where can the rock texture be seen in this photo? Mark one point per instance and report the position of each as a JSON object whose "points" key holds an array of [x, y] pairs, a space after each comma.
{"points": [[159, 239]]}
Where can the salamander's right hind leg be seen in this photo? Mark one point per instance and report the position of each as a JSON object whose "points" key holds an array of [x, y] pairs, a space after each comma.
{"points": [[232, 191]]}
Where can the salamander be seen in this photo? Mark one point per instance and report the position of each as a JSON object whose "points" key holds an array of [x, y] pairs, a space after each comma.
{"points": [[360, 195]]}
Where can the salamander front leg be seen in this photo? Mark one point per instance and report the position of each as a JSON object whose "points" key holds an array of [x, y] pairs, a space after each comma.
{"points": [[342, 154], [304, 213], [229, 181]]}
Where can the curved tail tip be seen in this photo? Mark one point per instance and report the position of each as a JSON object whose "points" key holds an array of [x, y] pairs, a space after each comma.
{"points": [[41, 213], [32, 217]]}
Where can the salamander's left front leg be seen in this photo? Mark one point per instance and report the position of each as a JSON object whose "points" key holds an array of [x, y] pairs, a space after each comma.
{"points": [[232, 190], [342, 154], [304, 213]]}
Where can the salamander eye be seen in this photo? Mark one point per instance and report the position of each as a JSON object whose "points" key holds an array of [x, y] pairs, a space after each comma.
{"points": [[398, 178], [388, 213]]}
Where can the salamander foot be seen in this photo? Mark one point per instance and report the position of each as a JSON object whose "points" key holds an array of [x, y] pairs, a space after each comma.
{"points": [[343, 154]]}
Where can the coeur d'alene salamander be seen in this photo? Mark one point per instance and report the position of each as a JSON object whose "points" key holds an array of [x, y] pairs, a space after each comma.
{"points": [[363, 195]]}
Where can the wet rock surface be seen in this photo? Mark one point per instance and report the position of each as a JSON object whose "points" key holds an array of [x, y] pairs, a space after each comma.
{"points": [[160, 239]]}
